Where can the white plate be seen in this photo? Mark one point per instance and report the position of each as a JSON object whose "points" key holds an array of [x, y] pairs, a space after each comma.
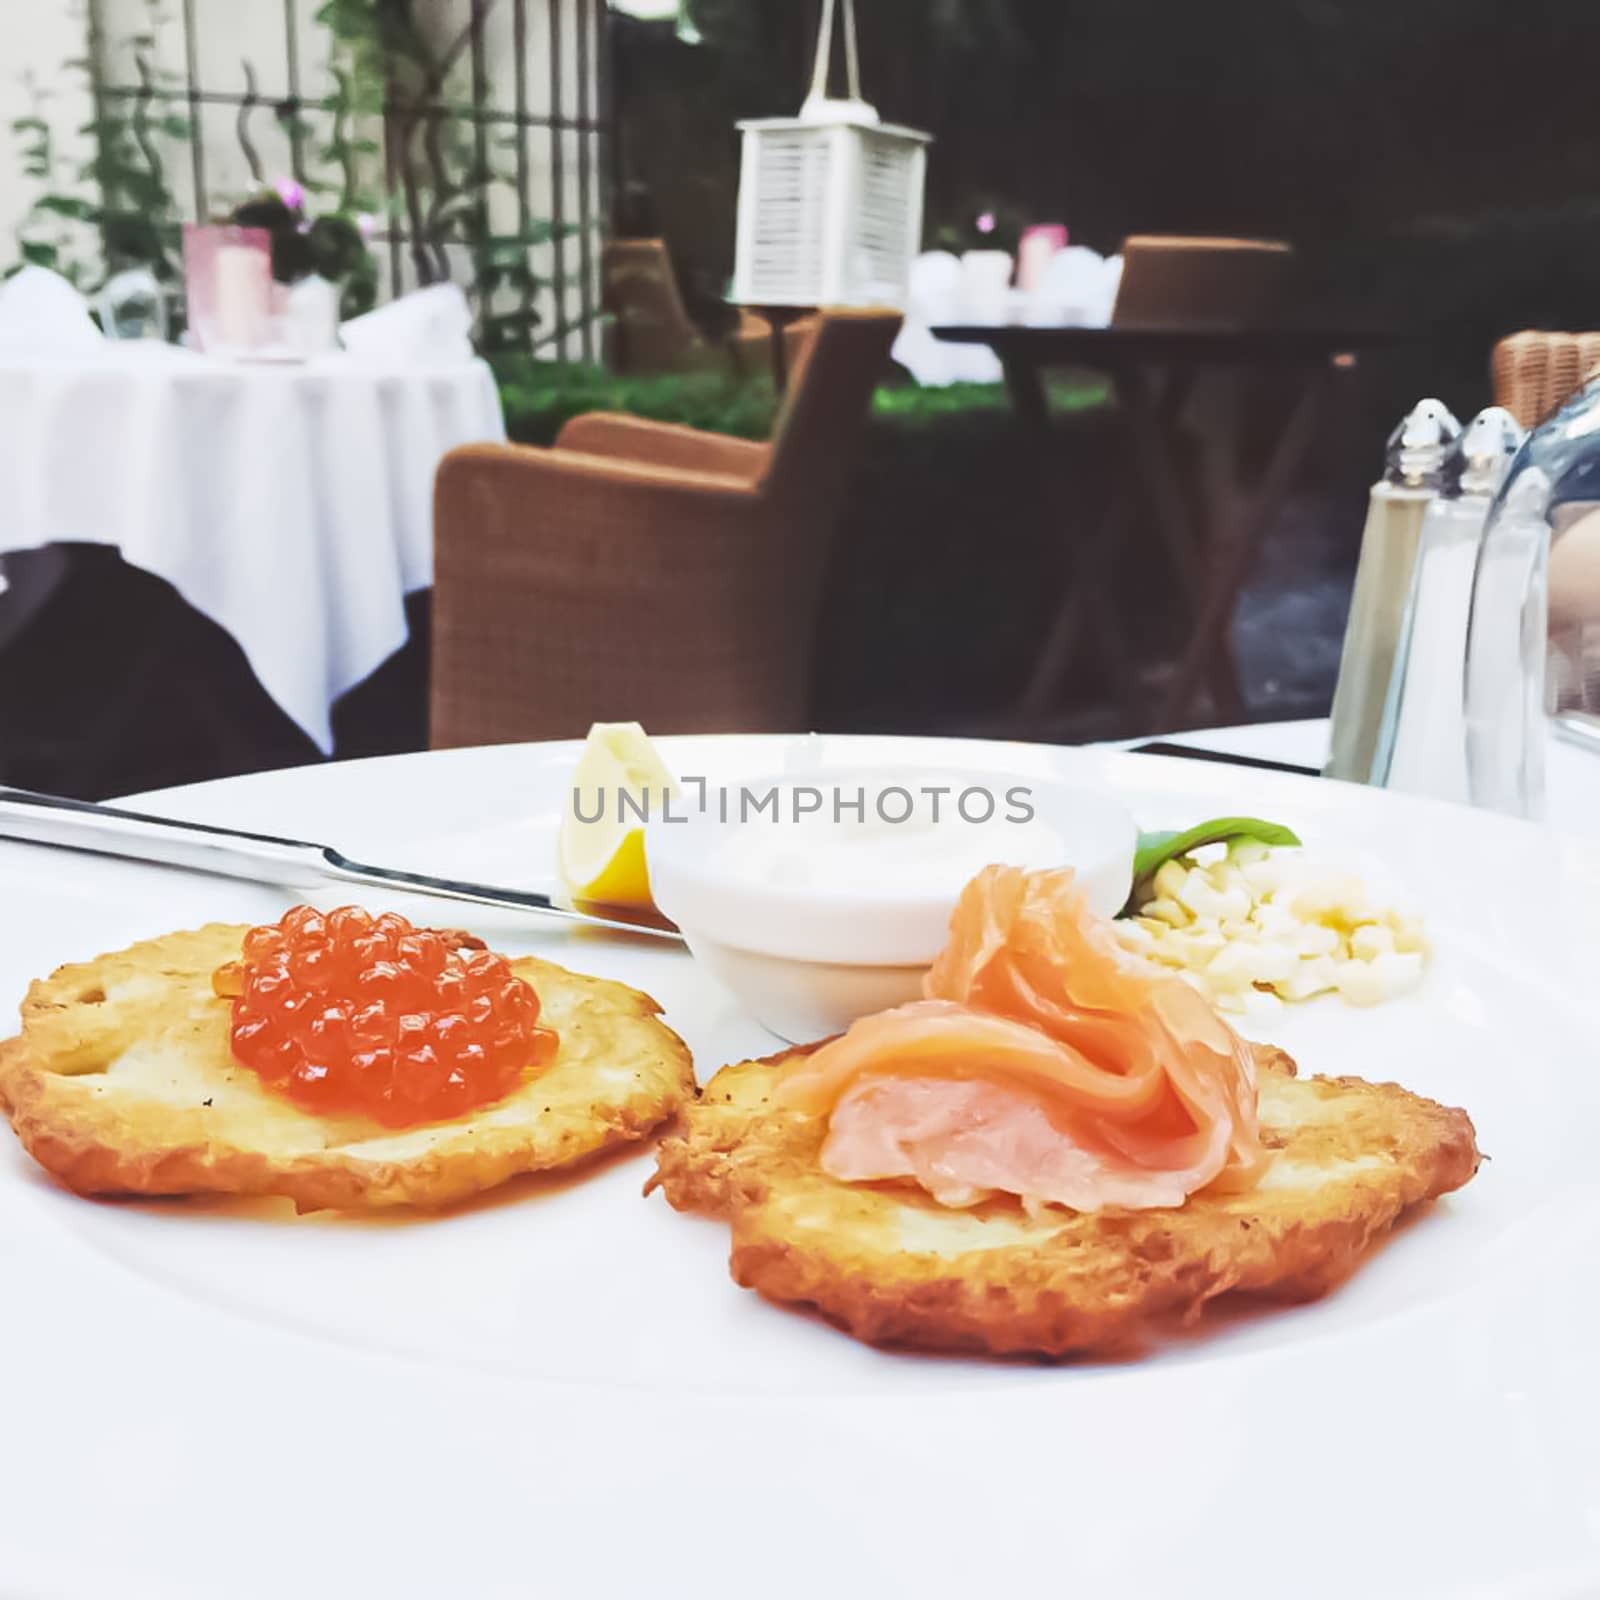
{"points": [[561, 1392]]}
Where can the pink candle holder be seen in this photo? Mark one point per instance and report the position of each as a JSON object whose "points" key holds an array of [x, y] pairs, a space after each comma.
{"points": [[228, 285], [1036, 251]]}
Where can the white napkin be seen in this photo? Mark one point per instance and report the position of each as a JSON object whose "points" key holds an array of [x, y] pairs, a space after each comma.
{"points": [[1111, 283], [1079, 288], [40, 310], [935, 286], [935, 295], [431, 327]]}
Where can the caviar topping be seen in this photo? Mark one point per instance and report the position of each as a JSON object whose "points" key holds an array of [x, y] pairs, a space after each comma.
{"points": [[343, 1012]]}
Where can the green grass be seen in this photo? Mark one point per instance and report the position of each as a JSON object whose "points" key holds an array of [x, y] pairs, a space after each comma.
{"points": [[539, 397], [918, 407]]}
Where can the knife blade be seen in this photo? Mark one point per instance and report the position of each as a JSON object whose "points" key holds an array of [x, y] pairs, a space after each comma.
{"points": [[85, 825]]}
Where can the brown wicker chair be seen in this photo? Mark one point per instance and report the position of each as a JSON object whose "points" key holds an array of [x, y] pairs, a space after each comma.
{"points": [[1177, 281], [653, 331], [644, 571], [1535, 374]]}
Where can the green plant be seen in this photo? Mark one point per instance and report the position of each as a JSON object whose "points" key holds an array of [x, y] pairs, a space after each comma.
{"points": [[46, 235], [451, 170], [119, 198], [992, 225], [387, 64], [332, 246]]}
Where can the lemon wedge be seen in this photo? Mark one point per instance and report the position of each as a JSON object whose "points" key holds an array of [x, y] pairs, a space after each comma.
{"points": [[601, 844]]}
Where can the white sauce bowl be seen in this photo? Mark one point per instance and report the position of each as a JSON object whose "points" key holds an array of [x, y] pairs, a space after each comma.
{"points": [[814, 922]]}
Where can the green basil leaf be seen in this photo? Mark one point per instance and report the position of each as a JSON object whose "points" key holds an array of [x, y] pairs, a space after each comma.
{"points": [[1156, 849]]}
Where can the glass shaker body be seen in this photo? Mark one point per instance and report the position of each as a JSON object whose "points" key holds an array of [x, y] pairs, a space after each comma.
{"points": [[1413, 475], [1422, 749], [1389, 544], [1533, 644]]}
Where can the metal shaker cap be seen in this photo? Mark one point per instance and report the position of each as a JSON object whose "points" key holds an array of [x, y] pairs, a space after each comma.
{"points": [[1485, 449], [1419, 447]]}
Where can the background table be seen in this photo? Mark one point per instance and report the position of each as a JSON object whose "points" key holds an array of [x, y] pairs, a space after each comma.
{"points": [[292, 504], [1211, 540]]}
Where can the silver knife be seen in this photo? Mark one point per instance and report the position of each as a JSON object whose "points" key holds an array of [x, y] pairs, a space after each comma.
{"points": [[264, 858]]}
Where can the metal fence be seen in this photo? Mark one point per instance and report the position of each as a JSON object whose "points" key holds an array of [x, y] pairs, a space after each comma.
{"points": [[476, 135]]}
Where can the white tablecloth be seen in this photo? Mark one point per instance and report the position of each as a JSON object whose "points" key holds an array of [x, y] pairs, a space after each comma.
{"points": [[292, 504], [1572, 774]]}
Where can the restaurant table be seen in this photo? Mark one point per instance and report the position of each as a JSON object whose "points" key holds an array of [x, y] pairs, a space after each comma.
{"points": [[180, 1411], [1210, 545], [291, 503], [1572, 773]]}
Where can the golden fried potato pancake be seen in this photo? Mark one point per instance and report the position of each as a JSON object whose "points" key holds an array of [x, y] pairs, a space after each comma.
{"points": [[894, 1267], [122, 1082]]}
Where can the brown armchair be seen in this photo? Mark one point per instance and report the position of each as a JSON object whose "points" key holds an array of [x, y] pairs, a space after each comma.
{"points": [[648, 572], [1175, 281], [1535, 374]]}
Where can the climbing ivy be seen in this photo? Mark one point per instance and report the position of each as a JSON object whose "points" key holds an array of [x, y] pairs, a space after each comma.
{"points": [[388, 69], [117, 209]]}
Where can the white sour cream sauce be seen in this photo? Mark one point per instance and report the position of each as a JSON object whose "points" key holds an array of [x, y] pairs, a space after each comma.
{"points": [[839, 847]]}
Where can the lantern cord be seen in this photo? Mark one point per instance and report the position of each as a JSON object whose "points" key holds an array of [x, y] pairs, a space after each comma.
{"points": [[852, 57]]}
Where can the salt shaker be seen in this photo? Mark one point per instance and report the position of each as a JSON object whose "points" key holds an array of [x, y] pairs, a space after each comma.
{"points": [[1416, 457], [1422, 745]]}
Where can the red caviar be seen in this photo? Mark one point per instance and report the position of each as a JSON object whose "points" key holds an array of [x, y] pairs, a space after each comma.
{"points": [[345, 1012]]}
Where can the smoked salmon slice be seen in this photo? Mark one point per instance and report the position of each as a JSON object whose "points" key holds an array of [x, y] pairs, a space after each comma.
{"points": [[1046, 1061]]}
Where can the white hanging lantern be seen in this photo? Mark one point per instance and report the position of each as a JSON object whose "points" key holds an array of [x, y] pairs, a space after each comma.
{"points": [[830, 202]]}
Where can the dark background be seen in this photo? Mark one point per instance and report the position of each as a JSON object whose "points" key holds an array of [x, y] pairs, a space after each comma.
{"points": [[1435, 162]]}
